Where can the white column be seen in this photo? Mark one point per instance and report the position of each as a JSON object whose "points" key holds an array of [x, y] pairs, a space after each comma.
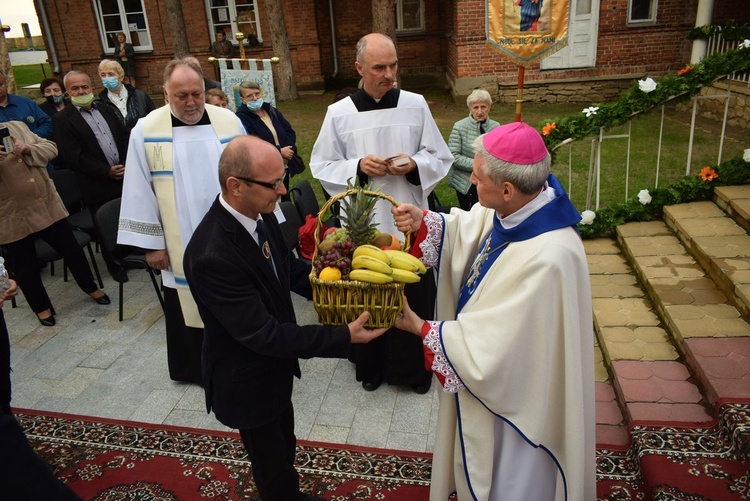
{"points": [[702, 18]]}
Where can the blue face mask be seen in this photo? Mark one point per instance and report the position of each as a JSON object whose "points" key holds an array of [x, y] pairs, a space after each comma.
{"points": [[255, 105], [111, 83]]}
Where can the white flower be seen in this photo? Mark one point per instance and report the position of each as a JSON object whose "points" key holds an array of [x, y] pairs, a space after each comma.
{"points": [[591, 110], [746, 155], [644, 197], [745, 44], [647, 85], [587, 217]]}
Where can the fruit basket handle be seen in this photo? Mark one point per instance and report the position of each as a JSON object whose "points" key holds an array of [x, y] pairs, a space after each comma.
{"points": [[344, 194]]}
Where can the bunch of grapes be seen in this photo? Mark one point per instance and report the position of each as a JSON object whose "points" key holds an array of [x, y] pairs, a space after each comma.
{"points": [[340, 256]]}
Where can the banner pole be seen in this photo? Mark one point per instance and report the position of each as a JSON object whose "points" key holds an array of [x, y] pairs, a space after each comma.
{"points": [[519, 97]]}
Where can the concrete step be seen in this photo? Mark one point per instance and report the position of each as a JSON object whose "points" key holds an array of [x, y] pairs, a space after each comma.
{"points": [[670, 314]]}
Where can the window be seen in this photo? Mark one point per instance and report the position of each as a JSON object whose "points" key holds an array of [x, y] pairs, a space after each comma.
{"points": [[232, 16], [641, 11], [409, 15], [127, 16]]}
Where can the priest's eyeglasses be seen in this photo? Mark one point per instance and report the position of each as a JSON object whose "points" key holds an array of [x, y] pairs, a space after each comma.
{"points": [[271, 186]]}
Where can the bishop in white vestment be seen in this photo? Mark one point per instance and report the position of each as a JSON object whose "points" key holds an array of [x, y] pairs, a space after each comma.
{"points": [[512, 343]]}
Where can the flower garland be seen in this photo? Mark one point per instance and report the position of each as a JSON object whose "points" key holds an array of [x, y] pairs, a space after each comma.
{"points": [[647, 206], [645, 95]]}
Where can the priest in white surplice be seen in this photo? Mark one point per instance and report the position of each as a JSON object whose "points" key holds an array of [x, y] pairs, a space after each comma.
{"points": [[171, 180], [512, 345], [359, 135]]}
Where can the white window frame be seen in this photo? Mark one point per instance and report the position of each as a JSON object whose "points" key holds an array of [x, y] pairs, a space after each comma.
{"points": [[141, 47], [399, 10], [640, 22], [232, 6]]}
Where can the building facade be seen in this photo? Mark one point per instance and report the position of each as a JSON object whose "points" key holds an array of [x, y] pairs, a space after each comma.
{"points": [[612, 42]]}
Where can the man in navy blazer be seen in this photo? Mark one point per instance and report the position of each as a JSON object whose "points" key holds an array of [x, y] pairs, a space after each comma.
{"points": [[252, 339], [92, 141]]}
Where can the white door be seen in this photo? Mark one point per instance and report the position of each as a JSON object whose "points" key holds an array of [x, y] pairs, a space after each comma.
{"points": [[582, 38]]}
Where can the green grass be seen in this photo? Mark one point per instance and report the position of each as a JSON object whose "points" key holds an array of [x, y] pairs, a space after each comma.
{"points": [[306, 116], [30, 74]]}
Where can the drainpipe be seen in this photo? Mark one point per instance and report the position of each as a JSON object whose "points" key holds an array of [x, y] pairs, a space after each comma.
{"points": [[702, 18], [48, 35], [333, 41]]}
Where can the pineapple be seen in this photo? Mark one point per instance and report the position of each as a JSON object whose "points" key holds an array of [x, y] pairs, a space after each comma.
{"points": [[357, 212]]}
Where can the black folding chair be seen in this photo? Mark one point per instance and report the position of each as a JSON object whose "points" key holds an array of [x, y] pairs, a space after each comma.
{"points": [[107, 218]]}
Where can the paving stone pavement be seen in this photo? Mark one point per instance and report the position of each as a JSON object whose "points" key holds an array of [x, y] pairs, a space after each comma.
{"points": [[91, 364], [670, 303]]}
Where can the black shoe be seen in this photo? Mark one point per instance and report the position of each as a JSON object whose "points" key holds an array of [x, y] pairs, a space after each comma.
{"points": [[120, 276], [102, 299], [372, 384], [48, 322], [310, 497], [421, 388]]}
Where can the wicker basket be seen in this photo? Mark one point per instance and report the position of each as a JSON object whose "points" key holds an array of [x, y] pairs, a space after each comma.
{"points": [[342, 301]]}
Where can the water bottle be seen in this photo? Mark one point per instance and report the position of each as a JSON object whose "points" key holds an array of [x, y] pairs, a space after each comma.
{"points": [[4, 280]]}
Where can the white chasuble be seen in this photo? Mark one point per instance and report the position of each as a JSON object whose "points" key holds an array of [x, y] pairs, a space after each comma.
{"points": [[522, 347], [348, 135]]}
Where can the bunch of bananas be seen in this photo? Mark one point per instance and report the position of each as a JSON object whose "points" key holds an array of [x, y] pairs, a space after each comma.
{"points": [[373, 265]]}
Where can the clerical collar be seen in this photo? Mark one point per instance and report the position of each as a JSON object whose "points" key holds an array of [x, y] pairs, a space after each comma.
{"points": [[365, 102], [543, 198], [176, 122]]}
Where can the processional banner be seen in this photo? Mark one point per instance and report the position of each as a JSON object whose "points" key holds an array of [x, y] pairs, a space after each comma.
{"points": [[233, 74], [527, 30]]}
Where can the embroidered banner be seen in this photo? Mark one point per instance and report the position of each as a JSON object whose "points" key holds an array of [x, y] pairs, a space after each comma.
{"points": [[232, 75], [527, 30]]}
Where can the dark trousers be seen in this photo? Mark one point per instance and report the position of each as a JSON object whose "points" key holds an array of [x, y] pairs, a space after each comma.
{"points": [[22, 474], [271, 449], [5, 393], [184, 344], [23, 263], [398, 356], [468, 200]]}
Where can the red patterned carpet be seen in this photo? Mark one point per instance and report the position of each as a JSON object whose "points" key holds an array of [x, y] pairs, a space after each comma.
{"points": [[103, 459]]}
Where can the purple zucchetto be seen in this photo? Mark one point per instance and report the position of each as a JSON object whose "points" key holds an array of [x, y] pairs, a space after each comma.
{"points": [[516, 143]]}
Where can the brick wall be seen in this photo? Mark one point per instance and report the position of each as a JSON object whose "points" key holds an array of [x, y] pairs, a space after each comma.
{"points": [[452, 46], [79, 45], [621, 51]]}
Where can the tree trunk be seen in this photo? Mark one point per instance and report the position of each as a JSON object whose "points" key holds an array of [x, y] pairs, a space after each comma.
{"points": [[286, 87], [5, 61], [384, 18], [177, 28], [384, 21]]}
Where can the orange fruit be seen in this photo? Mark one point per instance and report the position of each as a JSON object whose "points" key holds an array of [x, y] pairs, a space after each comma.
{"points": [[330, 273]]}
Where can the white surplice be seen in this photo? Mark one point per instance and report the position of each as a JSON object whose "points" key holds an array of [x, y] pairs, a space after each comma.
{"points": [[348, 135], [519, 421], [196, 153]]}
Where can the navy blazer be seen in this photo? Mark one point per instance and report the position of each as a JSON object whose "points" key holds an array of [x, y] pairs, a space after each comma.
{"points": [[80, 151], [251, 337], [255, 126]]}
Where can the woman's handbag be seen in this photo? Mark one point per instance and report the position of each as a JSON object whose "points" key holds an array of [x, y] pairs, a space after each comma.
{"points": [[296, 164]]}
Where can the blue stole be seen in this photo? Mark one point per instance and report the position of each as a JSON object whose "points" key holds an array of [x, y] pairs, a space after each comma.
{"points": [[558, 213]]}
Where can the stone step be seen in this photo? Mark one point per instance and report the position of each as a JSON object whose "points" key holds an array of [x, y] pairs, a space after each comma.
{"points": [[670, 313], [719, 244]]}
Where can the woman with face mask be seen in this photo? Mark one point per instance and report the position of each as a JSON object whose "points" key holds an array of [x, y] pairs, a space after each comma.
{"points": [[53, 91], [131, 103], [265, 121]]}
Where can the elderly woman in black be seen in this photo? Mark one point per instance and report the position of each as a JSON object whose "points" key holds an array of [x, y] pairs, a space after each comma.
{"points": [[265, 121]]}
